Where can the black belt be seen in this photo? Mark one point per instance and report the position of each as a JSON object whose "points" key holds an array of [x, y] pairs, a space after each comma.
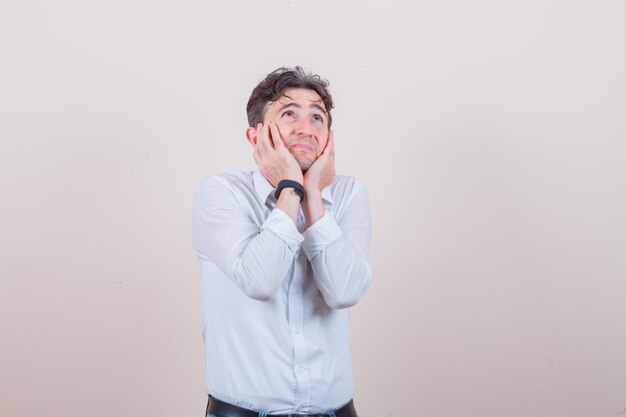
{"points": [[223, 409]]}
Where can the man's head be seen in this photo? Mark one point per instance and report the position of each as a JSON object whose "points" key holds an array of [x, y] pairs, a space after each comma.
{"points": [[274, 86], [299, 103]]}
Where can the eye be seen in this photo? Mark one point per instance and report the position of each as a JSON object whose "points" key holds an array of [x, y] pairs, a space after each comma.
{"points": [[318, 118], [288, 113]]}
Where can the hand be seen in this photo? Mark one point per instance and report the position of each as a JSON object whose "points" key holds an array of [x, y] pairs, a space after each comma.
{"points": [[275, 162], [322, 172]]}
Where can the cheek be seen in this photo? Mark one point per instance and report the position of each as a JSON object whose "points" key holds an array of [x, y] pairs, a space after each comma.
{"points": [[283, 128]]}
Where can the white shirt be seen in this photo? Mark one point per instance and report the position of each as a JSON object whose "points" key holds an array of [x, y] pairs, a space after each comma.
{"points": [[275, 296]]}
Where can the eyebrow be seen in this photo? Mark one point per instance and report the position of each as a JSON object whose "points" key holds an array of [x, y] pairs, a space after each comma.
{"points": [[292, 104]]}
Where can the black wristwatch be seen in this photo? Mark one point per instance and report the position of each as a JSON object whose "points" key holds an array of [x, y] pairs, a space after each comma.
{"points": [[297, 188]]}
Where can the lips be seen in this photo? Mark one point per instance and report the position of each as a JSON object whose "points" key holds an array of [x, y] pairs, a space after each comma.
{"points": [[302, 146]]}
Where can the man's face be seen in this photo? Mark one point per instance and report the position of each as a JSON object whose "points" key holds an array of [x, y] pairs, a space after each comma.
{"points": [[302, 120]]}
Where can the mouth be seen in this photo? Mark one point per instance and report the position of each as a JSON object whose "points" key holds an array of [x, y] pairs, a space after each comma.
{"points": [[302, 147]]}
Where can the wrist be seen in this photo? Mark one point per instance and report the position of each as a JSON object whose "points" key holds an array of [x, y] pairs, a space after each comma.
{"points": [[313, 207], [312, 190], [289, 202], [294, 187], [295, 176], [289, 197], [312, 198]]}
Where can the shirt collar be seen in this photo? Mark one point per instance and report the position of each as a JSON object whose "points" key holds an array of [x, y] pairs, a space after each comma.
{"points": [[265, 191], [327, 196], [263, 188]]}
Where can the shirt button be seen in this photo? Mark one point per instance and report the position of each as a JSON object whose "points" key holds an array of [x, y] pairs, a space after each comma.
{"points": [[294, 292], [296, 330], [300, 368]]}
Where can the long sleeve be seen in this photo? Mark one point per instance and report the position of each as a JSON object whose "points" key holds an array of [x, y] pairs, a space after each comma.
{"points": [[226, 231], [337, 247]]}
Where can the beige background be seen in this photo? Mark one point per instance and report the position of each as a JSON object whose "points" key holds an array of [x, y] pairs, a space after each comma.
{"points": [[492, 137]]}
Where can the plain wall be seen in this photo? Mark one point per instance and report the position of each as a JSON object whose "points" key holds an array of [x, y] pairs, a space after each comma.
{"points": [[492, 135]]}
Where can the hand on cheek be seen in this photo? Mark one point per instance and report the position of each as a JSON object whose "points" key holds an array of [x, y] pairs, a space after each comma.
{"points": [[322, 172], [273, 159]]}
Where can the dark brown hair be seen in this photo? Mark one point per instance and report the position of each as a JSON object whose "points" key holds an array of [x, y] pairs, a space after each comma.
{"points": [[277, 82]]}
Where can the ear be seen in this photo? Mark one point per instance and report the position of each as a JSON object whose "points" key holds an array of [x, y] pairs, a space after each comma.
{"points": [[251, 136]]}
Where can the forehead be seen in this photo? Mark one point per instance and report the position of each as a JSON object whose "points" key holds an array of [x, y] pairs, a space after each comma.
{"points": [[301, 96]]}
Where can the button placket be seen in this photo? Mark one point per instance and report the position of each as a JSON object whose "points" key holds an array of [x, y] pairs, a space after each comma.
{"points": [[296, 325]]}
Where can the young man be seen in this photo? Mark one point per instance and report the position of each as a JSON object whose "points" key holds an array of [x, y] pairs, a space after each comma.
{"points": [[284, 253]]}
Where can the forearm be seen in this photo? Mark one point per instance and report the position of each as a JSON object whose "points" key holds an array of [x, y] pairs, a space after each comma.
{"points": [[262, 266], [289, 202], [337, 245], [256, 257], [266, 260], [341, 274], [339, 257], [312, 206]]}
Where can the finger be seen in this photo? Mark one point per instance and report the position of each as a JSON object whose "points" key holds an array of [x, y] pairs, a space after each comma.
{"points": [[258, 133], [262, 140], [329, 149], [257, 156], [330, 145], [275, 135]]}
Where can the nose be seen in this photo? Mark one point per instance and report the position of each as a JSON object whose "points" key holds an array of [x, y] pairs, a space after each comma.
{"points": [[303, 127]]}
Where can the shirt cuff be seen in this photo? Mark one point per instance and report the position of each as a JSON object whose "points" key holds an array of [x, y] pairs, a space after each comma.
{"points": [[321, 234], [280, 224]]}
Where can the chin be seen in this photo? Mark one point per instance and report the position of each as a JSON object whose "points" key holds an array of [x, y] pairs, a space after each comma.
{"points": [[304, 164]]}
